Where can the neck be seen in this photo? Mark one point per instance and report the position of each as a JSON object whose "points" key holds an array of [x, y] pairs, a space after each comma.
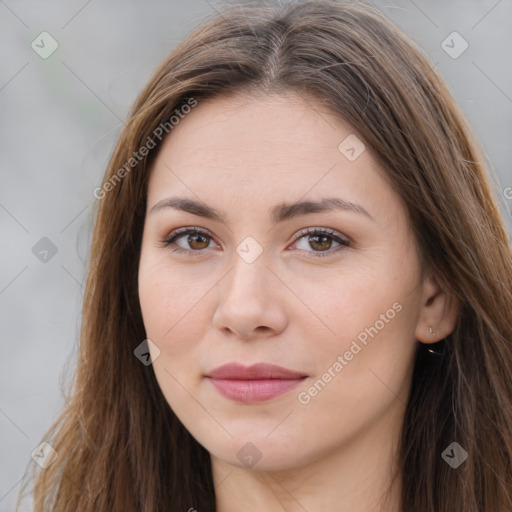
{"points": [[359, 476]]}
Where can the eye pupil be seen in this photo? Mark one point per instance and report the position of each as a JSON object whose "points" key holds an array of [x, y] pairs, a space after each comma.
{"points": [[321, 237], [200, 236]]}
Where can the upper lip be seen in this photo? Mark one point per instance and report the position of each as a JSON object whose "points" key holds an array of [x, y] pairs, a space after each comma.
{"points": [[253, 372]]}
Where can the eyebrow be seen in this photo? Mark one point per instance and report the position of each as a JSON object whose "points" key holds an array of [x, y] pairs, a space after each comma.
{"points": [[278, 213]]}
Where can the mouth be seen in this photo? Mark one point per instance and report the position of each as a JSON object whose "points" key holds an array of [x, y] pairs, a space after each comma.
{"points": [[256, 383]]}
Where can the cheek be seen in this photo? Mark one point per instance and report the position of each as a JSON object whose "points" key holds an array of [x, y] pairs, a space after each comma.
{"points": [[371, 316], [173, 309], [171, 314], [365, 373], [348, 301]]}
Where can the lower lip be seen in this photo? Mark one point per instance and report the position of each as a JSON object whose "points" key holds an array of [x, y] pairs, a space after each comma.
{"points": [[249, 391]]}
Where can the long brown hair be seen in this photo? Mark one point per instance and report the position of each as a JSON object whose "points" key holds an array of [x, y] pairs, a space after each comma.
{"points": [[120, 446]]}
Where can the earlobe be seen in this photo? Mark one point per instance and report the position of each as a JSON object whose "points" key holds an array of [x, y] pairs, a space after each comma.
{"points": [[438, 313]]}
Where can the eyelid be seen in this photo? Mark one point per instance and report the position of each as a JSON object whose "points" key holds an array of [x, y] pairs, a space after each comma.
{"points": [[326, 231], [186, 230]]}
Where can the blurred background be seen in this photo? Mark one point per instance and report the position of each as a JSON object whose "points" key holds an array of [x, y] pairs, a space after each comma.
{"points": [[69, 73]]}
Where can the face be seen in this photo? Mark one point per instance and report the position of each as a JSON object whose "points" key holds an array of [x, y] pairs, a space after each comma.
{"points": [[267, 243]]}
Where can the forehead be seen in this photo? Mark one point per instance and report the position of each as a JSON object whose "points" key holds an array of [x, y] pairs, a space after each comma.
{"points": [[269, 148], [281, 127]]}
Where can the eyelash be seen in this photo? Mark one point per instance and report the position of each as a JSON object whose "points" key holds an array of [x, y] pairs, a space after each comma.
{"points": [[178, 233]]}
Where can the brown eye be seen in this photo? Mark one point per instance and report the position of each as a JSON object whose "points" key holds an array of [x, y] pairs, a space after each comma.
{"points": [[195, 240], [198, 241], [321, 240]]}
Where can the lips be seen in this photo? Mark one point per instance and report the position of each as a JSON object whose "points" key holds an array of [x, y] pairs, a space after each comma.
{"points": [[255, 383], [254, 372]]}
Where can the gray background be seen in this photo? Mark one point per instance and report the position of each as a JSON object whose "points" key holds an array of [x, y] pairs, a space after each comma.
{"points": [[60, 118]]}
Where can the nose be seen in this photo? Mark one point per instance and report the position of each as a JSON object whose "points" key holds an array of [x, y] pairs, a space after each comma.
{"points": [[251, 301]]}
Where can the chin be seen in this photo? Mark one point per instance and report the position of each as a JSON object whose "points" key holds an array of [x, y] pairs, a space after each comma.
{"points": [[257, 453]]}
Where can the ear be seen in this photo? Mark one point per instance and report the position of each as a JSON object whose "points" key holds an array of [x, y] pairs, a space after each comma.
{"points": [[438, 312]]}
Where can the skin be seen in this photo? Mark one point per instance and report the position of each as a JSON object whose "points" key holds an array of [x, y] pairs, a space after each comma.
{"points": [[290, 306]]}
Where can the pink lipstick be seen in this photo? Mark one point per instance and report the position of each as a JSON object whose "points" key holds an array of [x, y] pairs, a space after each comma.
{"points": [[255, 383]]}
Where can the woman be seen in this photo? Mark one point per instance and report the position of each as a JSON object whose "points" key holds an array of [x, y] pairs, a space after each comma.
{"points": [[299, 295]]}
